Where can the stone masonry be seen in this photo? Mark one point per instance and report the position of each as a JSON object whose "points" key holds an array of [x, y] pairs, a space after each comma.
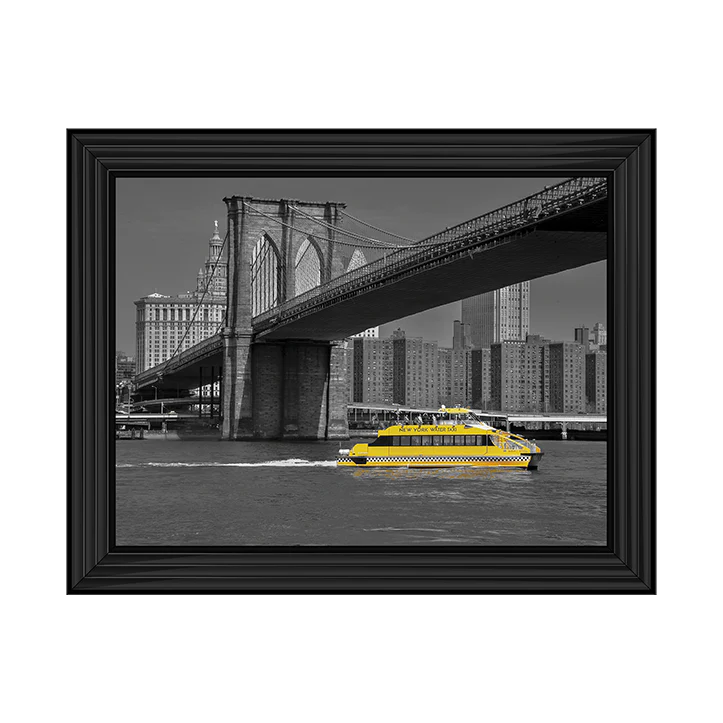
{"points": [[294, 389]]}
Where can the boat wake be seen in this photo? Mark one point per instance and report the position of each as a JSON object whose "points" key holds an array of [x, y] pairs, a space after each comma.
{"points": [[271, 463]]}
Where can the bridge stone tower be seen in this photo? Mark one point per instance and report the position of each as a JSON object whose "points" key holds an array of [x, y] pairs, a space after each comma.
{"points": [[293, 389]]}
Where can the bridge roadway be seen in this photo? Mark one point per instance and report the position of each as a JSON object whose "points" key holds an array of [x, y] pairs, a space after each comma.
{"points": [[411, 281]]}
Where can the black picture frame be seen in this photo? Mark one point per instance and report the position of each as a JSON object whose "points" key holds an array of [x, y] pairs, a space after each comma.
{"points": [[96, 158]]}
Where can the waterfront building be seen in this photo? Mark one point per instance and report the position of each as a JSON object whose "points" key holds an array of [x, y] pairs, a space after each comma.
{"points": [[596, 367], [415, 371], [519, 376], [497, 316], [166, 325], [567, 377], [371, 370], [125, 367]]}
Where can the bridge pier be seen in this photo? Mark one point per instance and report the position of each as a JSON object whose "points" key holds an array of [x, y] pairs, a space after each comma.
{"points": [[337, 425], [238, 420], [280, 389], [290, 390]]}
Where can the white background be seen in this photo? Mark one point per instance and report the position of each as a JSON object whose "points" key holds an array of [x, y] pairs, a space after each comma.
{"points": [[373, 64]]}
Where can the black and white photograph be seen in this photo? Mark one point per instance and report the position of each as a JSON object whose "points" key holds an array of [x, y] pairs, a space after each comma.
{"points": [[376, 361]]}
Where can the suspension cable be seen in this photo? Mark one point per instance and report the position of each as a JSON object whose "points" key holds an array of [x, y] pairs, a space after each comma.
{"points": [[343, 231], [198, 303], [379, 244], [388, 233]]}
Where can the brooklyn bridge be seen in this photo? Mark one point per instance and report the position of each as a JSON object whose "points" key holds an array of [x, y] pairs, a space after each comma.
{"points": [[299, 283]]}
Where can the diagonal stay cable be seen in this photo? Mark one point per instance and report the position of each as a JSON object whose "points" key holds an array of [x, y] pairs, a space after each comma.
{"points": [[198, 305]]}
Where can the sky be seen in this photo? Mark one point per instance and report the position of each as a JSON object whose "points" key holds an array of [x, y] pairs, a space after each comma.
{"points": [[163, 226]]}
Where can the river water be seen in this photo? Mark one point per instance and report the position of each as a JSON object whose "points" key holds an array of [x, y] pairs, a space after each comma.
{"points": [[274, 493]]}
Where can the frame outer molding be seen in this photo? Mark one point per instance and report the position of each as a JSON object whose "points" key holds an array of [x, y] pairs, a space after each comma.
{"points": [[96, 565]]}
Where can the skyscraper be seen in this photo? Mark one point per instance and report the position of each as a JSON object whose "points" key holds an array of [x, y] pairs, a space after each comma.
{"points": [[166, 324], [498, 315]]}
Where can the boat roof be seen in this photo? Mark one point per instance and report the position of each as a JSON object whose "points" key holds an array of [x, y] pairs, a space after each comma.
{"points": [[448, 428]]}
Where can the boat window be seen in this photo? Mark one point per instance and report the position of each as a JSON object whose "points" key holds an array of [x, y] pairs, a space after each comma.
{"points": [[380, 442], [415, 441], [396, 441], [427, 441], [482, 440], [449, 440], [471, 439], [459, 440], [437, 440]]}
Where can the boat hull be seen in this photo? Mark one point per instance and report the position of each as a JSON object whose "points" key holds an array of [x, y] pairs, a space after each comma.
{"points": [[524, 461]]}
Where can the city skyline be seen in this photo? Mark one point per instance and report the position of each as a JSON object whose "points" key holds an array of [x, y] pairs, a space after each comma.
{"points": [[162, 230], [512, 375]]}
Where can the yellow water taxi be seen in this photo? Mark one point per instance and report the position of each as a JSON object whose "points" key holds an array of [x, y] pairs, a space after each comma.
{"points": [[457, 438]]}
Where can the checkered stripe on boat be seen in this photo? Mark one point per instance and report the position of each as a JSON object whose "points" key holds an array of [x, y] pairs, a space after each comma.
{"points": [[438, 459]]}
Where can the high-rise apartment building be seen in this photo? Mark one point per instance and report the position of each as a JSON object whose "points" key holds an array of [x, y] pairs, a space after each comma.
{"points": [[444, 369], [596, 367], [454, 377], [498, 315], [519, 376], [480, 380], [371, 370], [415, 364], [166, 324], [567, 377]]}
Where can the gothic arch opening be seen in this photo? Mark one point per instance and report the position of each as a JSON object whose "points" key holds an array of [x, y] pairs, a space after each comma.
{"points": [[307, 269], [265, 275], [357, 259]]}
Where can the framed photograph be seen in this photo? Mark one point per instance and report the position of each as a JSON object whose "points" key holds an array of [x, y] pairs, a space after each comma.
{"points": [[361, 361]]}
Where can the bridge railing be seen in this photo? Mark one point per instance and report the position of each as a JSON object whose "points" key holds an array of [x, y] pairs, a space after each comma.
{"points": [[514, 216]]}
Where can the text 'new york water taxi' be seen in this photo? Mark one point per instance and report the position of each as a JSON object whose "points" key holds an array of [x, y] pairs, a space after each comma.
{"points": [[457, 438]]}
